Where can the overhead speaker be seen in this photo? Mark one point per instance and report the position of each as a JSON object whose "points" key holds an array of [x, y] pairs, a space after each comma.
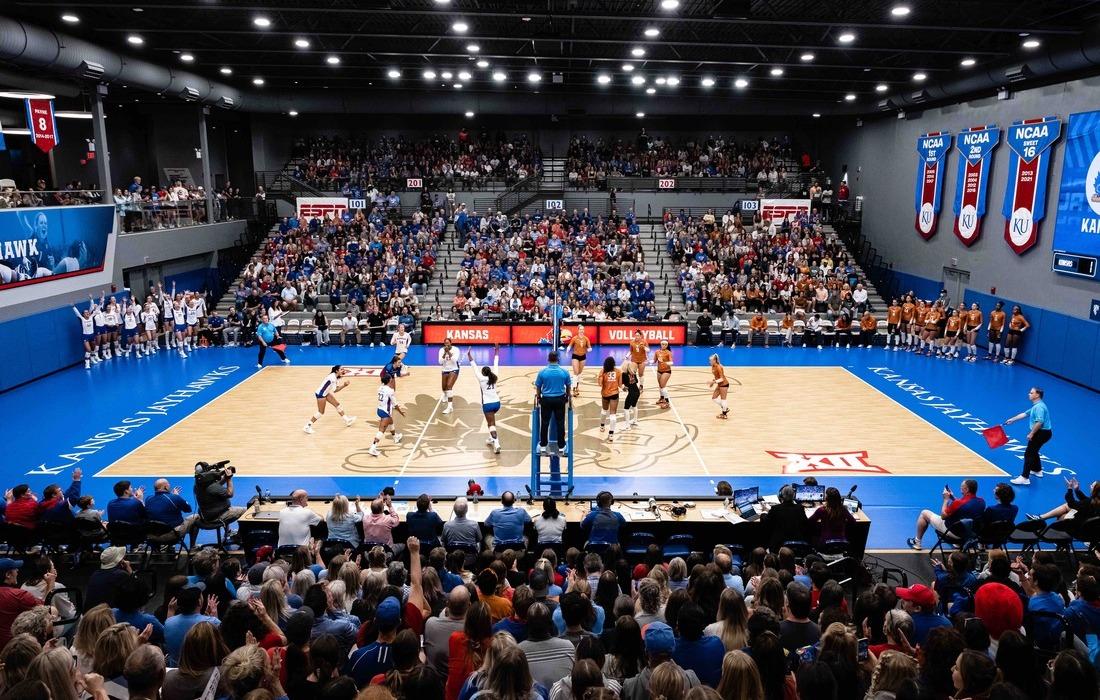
{"points": [[226, 102], [919, 96], [91, 70], [189, 94], [1019, 72]]}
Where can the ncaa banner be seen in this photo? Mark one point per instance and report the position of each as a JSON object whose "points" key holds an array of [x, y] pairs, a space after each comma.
{"points": [[1029, 142], [42, 125], [932, 150], [975, 146]]}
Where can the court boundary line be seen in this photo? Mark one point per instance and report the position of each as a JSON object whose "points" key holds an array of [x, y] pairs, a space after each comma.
{"points": [[691, 441], [928, 422], [423, 432], [178, 422]]}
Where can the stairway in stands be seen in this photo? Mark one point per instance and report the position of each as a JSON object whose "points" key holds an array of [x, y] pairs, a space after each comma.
{"points": [[554, 176]]}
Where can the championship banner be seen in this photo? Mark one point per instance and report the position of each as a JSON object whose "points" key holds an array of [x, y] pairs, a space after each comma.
{"points": [[42, 125], [975, 146], [1029, 142], [932, 149], [1077, 220]]}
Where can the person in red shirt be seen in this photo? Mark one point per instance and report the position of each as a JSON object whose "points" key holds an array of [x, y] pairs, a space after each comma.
{"points": [[15, 600], [23, 507]]}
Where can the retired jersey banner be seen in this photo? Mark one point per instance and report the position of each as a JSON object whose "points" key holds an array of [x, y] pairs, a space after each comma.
{"points": [[975, 147], [932, 150], [42, 125], [1029, 142]]}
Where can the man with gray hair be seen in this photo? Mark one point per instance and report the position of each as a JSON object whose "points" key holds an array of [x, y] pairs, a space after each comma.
{"points": [[168, 507], [296, 519], [460, 530], [437, 630], [144, 672]]}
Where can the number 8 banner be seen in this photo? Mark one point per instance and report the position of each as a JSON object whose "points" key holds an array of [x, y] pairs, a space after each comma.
{"points": [[1029, 142], [932, 149], [42, 125]]}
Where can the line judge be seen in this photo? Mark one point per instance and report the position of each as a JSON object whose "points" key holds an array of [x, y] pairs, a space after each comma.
{"points": [[552, 395]]}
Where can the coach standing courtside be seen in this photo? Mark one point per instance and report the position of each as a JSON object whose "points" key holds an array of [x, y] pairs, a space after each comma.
{"points": [[1038, 417], [552, 395]]}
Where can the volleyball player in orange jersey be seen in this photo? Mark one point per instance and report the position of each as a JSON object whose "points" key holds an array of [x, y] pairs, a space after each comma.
{"points": [[995, 330], [970, 330], [610, 381], [786, 329], [931, 327], [579, 345], [912, 324], [721, 386], [952, 332], [1016, 327], [639, 355], [663, 359], [893, 325]]}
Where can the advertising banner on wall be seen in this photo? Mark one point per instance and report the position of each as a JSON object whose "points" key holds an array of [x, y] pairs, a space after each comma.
{"points": [[783, 208], [1077, 224], [467, 333], [434, 332], [1029, 144], [975, 147], [623, 333], [40, 245], [321, 207], [932, 149]]}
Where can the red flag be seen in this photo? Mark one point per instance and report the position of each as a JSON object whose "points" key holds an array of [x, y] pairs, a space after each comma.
{"points": [[42, 125], [995, 437]]}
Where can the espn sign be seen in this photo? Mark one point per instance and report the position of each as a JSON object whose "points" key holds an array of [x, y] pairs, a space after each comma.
{"points": [[666, 183], [414, 183], [468, 333], [783, 208], [622, 334], [321, 207]]}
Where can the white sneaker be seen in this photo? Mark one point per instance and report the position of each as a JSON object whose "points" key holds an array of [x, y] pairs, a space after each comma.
{"points": [[87, 364], [308, 430], [183, 354], [373, 451], [348, 420], [1021, 481], [449, 409], [1039, 474], [496, 449], [397, 438], [372, 345], [286, 361], [259, 366]]}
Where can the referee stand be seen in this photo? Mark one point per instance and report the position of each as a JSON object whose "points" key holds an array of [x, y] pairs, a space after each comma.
{"points": [[546, 477]]}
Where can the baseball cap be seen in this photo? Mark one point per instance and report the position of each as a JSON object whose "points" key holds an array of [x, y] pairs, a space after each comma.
{"points": [[389, 611], [264, 552], [920, 594], [540, 585], [659, 638], [7, 565], [999, 608], [111, 556], [640, 572]]}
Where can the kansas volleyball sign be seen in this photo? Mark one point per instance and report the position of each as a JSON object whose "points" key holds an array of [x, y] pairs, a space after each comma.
{"points": [[932, 149], [1029, 143], [975, 147]]}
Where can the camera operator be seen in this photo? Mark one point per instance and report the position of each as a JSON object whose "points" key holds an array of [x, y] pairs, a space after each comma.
{"points": [[214, 493]]}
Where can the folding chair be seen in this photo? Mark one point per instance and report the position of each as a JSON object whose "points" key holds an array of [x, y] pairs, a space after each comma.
{"points": [[637, 543], [960, 535]]}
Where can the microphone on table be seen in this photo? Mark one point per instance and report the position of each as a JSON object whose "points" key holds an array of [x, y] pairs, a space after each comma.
{"points": [[259, 494], [852, 491], [530, 496]]}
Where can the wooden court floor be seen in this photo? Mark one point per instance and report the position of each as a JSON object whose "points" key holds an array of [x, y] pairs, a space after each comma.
{"points": [[793, 420]]}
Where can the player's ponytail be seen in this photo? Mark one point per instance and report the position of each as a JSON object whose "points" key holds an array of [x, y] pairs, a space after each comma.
{"points": [[491, 377], [335, 368]]}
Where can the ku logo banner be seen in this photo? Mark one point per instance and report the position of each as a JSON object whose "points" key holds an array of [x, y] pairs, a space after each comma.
{"points": [[975, 146], [932, 149], [1029, 142]]}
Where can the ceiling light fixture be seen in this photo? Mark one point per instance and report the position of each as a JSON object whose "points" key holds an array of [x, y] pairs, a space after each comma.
{"points": [[135, 40], [882, 87], [816, 115], [225, 70], [920, 77], [638, 80], [500, 76], [603, 78], [1031, 44], [257, 81], [473, 48], [534, 77], [469, 114], [650, 90], [807, 57], [741, 83], [850, 97], [637, 52], [967, 62], [429, 74], [707, 82], [627, 67], [776, 72], [900, 11], [16, 95], [846, 37], [63, 114], [670, 4], [483, 63], [446, 75], [672, 81], [393, 73], [652, 32], [464, 75], [302, 43], [457, 86], [71, 19], [333, 60], [639, 115], [293, 112], [187, 58], [460, 27], [261, 22], [661, 80]]}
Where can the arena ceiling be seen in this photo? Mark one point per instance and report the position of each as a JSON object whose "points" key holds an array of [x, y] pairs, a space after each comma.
{"points": [[819, 52]]}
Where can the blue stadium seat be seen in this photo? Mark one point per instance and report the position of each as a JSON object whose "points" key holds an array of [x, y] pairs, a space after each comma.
{"points": [[678, 546], [637, 543]]}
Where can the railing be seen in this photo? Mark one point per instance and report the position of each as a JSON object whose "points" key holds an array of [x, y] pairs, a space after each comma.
{"points": [[152, 216], [596, 206], [797, 184], [11, 198], [400, 184], [519, 194]]}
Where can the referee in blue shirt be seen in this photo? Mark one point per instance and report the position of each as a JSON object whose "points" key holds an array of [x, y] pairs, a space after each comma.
{"points": [[552, 394], [1038, 420]]}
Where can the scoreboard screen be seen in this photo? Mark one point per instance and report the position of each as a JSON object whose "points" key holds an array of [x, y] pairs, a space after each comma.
{"points": [[1077, 227]]}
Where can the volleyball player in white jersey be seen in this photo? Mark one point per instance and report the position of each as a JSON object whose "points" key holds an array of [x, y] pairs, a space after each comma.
{"points": [[387, 404], [87, 333], [191, 314], [179, 326], [149, 317], [490, 399], [167, 317], [101, 335], [130, 330], [112, 316], [325, 395], [401, 340], [448, 366]]}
